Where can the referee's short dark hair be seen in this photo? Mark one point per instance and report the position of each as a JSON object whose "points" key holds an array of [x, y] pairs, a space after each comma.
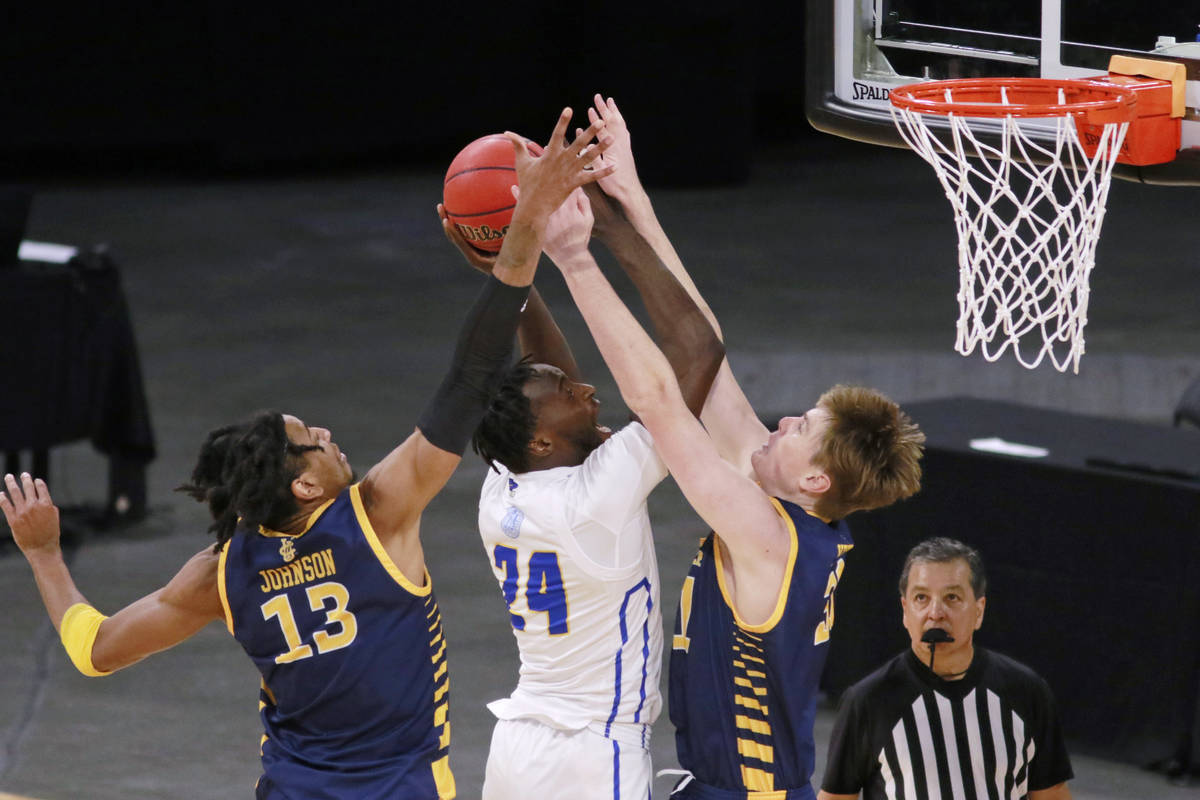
{"points": [[941, 550]]}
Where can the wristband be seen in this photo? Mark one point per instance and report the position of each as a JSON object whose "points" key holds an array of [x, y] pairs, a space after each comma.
{"points": [[78, 632]]}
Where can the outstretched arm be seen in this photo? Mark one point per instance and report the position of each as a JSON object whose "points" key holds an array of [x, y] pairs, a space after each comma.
{"points": [[727, 500], [682, 329], [397, 489], [97, 644], [542, 340], [728, 416], [537, 333]]}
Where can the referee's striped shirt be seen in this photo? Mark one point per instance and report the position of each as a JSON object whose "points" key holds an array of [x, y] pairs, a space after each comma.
{"points": [[904, 734]]}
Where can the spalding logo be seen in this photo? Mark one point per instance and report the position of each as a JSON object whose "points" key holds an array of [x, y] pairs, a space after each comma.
{"points": [[866, 91], [484, 233]]}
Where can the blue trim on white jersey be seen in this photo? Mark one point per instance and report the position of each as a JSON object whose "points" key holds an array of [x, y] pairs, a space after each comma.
{"points": [[644, 583], [616, 770]]}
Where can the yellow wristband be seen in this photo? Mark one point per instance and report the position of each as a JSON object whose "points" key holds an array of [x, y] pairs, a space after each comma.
{"points": [[78, 632]]}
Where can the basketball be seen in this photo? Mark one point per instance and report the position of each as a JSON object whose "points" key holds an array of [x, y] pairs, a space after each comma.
{"points": [[477, 192]]}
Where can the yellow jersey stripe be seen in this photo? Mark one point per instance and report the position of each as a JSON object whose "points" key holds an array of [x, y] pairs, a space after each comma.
{"points": [[443, 778], [750, 703], [752, 725], [372, 539], [221, 592], [760, 691], [312, 518], [757, 780]]}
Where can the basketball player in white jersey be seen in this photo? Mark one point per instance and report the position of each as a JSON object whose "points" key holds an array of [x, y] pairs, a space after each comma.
{"points": [[564, 524]]}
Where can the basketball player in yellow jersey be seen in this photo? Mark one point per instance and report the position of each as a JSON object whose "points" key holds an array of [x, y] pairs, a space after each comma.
{"points": [[756, 608], [322, 580]]}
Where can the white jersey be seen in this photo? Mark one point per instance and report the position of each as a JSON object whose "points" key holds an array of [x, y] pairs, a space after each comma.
{"points": [[572, 551]]}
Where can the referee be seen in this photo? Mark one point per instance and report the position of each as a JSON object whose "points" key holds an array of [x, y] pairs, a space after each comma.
{"points": [[946, 719]]}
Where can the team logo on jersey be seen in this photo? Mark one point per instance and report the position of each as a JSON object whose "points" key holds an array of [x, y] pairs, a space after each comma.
{"points": [[287, 550], [511, 524], [512, 487]]}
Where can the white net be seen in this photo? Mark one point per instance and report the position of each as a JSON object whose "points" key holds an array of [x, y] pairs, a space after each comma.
{"points": [[1028, 217]]}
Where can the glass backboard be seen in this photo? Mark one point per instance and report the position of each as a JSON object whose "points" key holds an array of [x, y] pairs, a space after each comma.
{"points": [[857, 50]]}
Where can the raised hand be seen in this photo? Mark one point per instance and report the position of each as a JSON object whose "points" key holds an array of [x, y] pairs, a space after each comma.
{"points": [[568, 230], [31, 514], [546, 181], [484, 262], [623, 183]]}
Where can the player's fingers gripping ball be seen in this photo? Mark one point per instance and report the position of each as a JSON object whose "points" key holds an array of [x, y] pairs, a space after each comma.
{"points": [[477, 193]]}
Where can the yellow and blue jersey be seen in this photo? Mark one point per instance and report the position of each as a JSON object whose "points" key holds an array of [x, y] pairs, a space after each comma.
{"points": [[743, 697], [355, 694]]}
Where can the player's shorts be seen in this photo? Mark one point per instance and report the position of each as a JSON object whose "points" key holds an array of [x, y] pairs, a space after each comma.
{"points": [[529, 759]]}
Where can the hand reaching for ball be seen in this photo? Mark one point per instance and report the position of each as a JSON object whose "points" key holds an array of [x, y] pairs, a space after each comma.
{"points": [[480, 260], [546, 181], [568, 230], [622, 184]]}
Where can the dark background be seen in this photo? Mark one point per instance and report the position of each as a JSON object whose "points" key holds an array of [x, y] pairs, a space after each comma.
{"points": [[222, 88]]}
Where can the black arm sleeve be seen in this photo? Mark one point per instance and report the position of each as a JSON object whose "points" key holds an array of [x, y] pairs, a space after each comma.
{"points": [[482, 353]]}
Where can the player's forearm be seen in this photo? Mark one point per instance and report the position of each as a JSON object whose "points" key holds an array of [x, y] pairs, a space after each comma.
{"points": [[518, 259], [1058, 792], [54, 583], [640, 213], [728, 416], [683, 331], [642, 372], [682, 328], [540, 336], [482, 353], [695, 354]]}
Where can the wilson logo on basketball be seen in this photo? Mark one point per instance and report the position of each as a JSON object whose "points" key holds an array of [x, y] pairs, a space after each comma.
{"points": [[481, 233]]}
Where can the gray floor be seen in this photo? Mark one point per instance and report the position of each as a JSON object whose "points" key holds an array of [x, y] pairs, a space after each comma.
{"points": [[336, 298]]}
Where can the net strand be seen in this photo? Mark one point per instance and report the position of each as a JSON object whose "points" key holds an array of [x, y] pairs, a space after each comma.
{"points": [[1028, 218]]}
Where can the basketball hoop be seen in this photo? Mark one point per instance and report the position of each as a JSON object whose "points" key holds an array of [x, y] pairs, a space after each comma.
{"points": [[1028, 214]]}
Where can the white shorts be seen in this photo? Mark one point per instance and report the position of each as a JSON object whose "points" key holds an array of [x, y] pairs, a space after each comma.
{"points": [[529, 759]]}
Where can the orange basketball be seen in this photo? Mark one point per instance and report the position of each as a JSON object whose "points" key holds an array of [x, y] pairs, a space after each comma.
{"points": [[478, 190]]}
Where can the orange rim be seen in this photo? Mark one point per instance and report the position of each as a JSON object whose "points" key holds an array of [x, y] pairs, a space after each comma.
{"points": [[1017, 97]]}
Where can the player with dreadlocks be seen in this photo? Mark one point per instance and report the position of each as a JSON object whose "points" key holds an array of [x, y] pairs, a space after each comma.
{"points": [[245, 472], [322, 579], [564, 522]]}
